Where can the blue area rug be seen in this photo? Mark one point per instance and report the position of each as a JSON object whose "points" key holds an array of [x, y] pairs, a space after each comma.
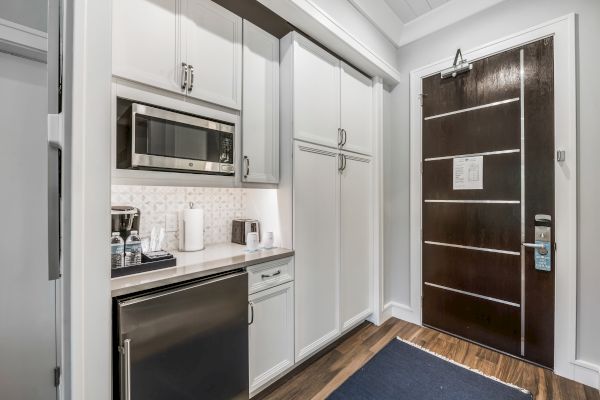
{"points": [[403, 371]]}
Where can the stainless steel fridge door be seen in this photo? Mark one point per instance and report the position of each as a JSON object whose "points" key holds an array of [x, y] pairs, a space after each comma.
{"points": [[28, 349], [190, 342]]}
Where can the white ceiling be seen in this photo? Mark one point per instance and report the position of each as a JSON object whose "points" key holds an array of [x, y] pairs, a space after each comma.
{"points": [[407, 10], [404, 21]]}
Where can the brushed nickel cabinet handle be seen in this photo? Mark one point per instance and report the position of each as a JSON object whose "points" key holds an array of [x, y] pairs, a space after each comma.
{"points": [[191, 86], [184, 75], [247, 162], [251, 304], [344, 137], [264, 276]]}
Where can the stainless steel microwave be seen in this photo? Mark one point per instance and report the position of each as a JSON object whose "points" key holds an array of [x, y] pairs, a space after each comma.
{"points": [[154, 138]]}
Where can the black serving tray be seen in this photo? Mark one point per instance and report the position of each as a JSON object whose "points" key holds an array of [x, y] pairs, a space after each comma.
{"points": [[143, 267]]}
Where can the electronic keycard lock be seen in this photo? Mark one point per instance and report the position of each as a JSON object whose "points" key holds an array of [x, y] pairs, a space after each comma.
{"points": [[543, 243]]}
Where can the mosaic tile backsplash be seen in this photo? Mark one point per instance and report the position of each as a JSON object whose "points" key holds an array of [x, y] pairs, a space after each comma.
{"points": [[160, 204]]}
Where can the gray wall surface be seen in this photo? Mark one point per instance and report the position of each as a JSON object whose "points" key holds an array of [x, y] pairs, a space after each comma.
{"points": [[502, 20], [31, 13]]}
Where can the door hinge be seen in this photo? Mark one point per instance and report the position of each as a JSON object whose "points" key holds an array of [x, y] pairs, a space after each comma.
{"points": [[56, 376]]}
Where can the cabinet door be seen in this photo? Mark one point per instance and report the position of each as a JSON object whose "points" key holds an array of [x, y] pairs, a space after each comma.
{"points": [[260, 112], [214, 51], [316, 219], [356, 111], [316, 93], [271, 335], [146, 50], [356, 240]]}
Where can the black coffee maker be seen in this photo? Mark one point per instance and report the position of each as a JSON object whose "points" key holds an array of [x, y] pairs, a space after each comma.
{"points": [[124, 219]]}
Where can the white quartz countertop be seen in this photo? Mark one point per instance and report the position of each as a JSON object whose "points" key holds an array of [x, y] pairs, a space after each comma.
{"points": [[214, 259]]}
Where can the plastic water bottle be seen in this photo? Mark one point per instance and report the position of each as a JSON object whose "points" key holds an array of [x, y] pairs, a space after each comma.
{"points": [[117, 251], [133, 249]]}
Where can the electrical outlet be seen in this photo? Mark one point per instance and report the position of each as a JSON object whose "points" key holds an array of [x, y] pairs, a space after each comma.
{"points": [[171, 222]]}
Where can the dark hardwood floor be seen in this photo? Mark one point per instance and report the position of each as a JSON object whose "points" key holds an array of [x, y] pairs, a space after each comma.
{"points": [[324, 374]]}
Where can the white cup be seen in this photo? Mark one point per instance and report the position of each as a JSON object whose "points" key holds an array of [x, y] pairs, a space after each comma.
{"points": [[268, 239], [252, 241]]}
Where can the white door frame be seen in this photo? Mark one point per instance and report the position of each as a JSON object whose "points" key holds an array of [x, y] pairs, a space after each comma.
{"points": [[565, 123]]}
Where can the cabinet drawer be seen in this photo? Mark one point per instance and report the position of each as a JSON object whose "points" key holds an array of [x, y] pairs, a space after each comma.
{"points": [[269, 274]]}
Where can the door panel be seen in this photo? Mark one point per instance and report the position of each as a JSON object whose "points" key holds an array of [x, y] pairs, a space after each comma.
{"points": [[488, 129], [214, 50], [28, 351], [271, 335], [356, 110], [501, 174], [492, 79], [260, 115], [147, 49], [491, 226], [356, 241], [316, 94], [491, 323], [490, 289], [316, 263], [489, 274], [539, 193]]}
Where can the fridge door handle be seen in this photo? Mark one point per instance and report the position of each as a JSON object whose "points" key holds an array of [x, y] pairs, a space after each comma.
{"points": [[54, 195], [126, 349]]}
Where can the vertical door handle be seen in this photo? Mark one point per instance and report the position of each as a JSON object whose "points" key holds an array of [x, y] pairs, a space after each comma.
{"points": [[340, 162], [251, 304], [191, 85], [126, 369], [184, 75], [247, 164], [339, 136], [344, 159], [344, 137], [55, 140]]}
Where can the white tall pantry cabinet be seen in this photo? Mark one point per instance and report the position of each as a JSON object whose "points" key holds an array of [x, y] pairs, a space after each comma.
{"points": [[327, 115]]}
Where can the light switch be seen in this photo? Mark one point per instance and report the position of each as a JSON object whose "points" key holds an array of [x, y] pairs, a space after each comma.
{"points": [[171, 222]]}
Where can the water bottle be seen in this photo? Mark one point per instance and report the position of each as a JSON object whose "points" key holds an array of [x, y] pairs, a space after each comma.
{"points": [[117, 250], [133, 249]]}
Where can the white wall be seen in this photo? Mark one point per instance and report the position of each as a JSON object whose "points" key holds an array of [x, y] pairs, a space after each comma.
{"points": [[31, 13], [506, 18]]}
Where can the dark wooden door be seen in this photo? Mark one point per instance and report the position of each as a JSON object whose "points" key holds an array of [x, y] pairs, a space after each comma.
{"points": [[488, 170]]}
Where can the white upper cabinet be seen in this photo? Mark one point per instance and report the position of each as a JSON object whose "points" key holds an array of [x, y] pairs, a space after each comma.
{"points": [[316, 242], [316, 93], [192, 47], [213, 52], [147, 49], [356, 111], [356, 240], [260, 106]]}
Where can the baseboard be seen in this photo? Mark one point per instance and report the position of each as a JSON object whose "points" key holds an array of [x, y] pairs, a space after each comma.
{"points": [[586, 373], [400, 311]]}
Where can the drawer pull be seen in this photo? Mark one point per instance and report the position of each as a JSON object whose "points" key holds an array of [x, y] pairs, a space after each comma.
{"points": [[264, 276]]}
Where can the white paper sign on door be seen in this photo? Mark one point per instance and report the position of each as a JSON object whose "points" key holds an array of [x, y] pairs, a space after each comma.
{"points": [[468, 173]]}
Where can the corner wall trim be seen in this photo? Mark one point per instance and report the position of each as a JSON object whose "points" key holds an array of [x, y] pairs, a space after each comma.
{"points": [[586, 373], [400, 311]]}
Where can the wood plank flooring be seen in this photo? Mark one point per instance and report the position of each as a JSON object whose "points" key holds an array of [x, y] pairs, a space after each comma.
{"points": [[323, 375]]}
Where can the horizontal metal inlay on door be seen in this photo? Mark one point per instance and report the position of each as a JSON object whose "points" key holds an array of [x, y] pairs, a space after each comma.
{"points": [[508, 303], [475, 201], [459, 246], [496, 103], [487, 153]]}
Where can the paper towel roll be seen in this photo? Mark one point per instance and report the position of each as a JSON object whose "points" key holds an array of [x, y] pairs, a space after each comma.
{"points": [[191, 229]]}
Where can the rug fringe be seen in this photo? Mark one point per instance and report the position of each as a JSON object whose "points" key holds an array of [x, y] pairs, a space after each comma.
{"points": [[463, 366]]}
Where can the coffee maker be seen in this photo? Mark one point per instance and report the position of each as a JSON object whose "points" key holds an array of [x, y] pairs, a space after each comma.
{"points": [[124, 219]]}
